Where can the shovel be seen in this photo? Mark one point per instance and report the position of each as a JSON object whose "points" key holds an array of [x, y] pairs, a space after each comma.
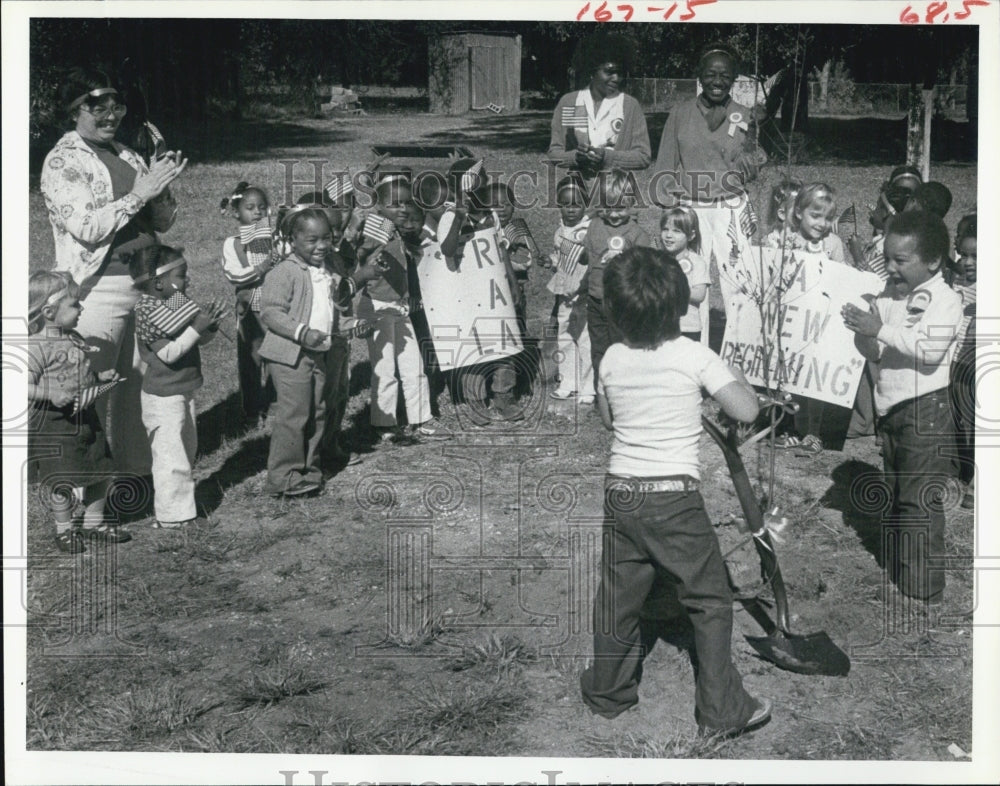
{"points": [[813, 653]]}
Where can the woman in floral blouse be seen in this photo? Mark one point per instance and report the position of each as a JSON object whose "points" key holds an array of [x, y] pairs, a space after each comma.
{"points": [[95, 190]]}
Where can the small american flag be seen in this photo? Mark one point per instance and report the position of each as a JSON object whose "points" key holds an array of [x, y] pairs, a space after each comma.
{"points": [[734, 236], [517, 231], [155, 134], [748, 219], [88, 396], [339, 186], [173, 315], [574, 116], [258, 231], [849, 218], [569, 257], [360, 329], [471, 177], [378, 228]]}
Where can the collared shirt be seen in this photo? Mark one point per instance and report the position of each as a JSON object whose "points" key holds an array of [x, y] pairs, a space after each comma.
{"points": [[605, 122], [83, 212], [915, 342], [321, 315]]}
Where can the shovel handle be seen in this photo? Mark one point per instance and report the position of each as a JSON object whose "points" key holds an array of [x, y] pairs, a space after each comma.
{"points": [[754, 518]]}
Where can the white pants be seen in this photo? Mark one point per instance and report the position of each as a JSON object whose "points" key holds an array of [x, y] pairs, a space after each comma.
{"points": [[107, 321], [714, 221], [572, 350], [173, 439], [393, 346]]}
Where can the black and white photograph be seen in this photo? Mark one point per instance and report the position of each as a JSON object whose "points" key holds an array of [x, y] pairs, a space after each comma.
{"points": [[522, 392]]}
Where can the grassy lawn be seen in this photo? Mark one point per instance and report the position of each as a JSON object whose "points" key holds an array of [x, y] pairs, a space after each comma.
{"points": [[275, 628]]}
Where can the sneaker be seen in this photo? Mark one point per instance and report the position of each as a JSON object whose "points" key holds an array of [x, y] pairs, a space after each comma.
{"points": [[197, 520], [432, 430], [809, 446], [759, 718], [301, 489], [70, 541], [561, 394], [388, 434], [108, 531]]}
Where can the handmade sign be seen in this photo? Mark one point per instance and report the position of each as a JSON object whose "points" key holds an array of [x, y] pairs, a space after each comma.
{"points": [[785, 325], [470, 310]]}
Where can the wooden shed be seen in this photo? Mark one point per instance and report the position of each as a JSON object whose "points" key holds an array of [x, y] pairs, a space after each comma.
{"points": [[472, 71]]}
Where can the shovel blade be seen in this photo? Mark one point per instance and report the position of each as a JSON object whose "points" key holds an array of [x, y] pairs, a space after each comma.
{"points": [[814, 653]]}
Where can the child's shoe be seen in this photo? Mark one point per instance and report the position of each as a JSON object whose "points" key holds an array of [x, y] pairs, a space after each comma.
{"points": [[561, 394], [811, 445], [388, 434], [969, 496], [70, 541], [432, 430], [179, 524], [759, 718], [108, 531]]}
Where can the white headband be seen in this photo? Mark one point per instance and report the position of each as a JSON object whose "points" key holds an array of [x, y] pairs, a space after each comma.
{"points": [[160, 270]]}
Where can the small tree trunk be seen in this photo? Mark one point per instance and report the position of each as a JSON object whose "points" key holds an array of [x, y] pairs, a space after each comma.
{"points": [[824, 84], [925, 163], [915, 128]]}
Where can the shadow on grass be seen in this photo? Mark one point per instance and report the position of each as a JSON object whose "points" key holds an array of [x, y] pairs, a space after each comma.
{"points": [[858, 493], [222, 421], [250, 459]]}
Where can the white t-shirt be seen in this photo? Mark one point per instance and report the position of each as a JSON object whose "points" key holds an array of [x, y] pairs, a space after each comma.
{"points": [[655, 400], [696, 270]]}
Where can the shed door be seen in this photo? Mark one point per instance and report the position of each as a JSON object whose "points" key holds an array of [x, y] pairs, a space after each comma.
{"points": [[486, 76]]}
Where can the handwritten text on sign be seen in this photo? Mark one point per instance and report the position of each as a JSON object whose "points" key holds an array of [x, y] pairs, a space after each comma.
{"points": [[798, 338], [470, 310]]}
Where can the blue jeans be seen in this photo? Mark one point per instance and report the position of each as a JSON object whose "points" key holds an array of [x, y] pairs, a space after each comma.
{"points": [[913, 433], [666, 532]]}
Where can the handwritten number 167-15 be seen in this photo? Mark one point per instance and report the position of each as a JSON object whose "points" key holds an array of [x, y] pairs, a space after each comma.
{"points": [[604, 14], [938, 12]]}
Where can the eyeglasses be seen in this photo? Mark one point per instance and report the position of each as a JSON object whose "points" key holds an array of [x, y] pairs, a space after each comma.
{"points": [[103, 112]]}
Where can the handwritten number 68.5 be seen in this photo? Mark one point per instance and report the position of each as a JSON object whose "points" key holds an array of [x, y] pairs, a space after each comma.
{"points": [[936, 9]]}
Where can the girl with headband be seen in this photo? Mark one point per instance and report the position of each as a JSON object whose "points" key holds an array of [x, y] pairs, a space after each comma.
{"points": [[67, 451]]}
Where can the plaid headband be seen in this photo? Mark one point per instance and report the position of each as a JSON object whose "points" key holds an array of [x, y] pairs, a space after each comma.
{"points": [[97, 92], [160, 270]]}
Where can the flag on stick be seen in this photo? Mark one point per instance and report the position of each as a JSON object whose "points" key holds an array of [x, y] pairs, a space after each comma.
{"points": [[569, 257], [339, 186], [849, 218], [259, 231], [472, 176], [734, 236], [748, 219], [378, 228], [89, 395], [517, 231], [173, 315]]}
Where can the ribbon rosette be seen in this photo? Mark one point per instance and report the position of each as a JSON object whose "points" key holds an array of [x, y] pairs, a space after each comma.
{"points": [[736, 121]]}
